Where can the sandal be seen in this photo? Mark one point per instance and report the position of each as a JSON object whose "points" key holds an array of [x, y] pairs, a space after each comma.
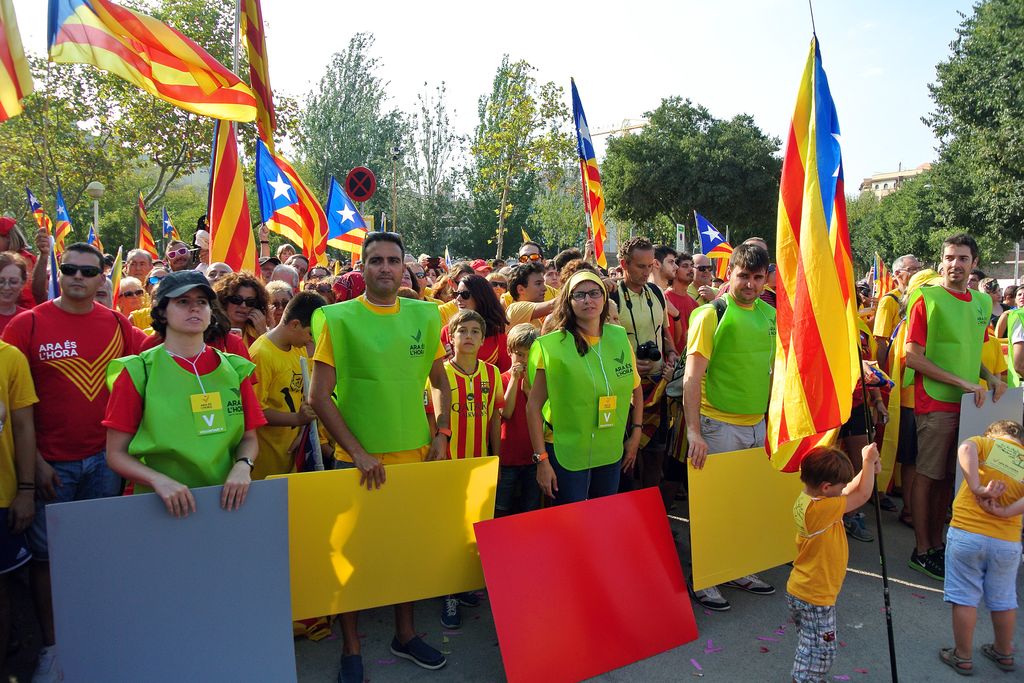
{"points": [[949, 657], [989, 650]]}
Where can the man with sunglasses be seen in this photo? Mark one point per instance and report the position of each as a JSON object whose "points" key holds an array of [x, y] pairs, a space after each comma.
{"points": [[179, 256], [887, 314], [530, 252], [68, 342], [701, 289]]}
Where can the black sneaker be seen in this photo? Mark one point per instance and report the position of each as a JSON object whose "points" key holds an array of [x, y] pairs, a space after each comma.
{"points": [[468, 599], [419, 653], [930, 564], [451, 615]]}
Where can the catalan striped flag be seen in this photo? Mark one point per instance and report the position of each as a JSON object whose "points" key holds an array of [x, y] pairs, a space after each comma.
{"points": [[288, 208], [347, 227], [593, 192], [94, 239], [149, 54], [38, 212], [115, 278], [227, 212], [259, 71], [146, 242], [63, 228], [816, 363], [883, 279], [170, 232], [15, 78]]}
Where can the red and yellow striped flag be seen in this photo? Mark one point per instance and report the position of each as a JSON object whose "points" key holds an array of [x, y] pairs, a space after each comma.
{"points": [[259, 70], [146, 242], [227, 214], [287, 206], [883, 279], [816, 362], [15, 78], [149, 54]]}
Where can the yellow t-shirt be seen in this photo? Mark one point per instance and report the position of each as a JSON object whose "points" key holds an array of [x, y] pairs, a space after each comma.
{"points": [[324, 353], [695, 294], [821, 549], [447, 311], [278, 387], [886, 317], [701, 340], [993, 357], [522, 312], [142, 319], [16, 392], [549, 294], [967, 515]]}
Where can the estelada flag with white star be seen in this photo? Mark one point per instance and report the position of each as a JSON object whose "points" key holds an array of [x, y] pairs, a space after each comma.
{"points": [[63, 228], [170, 232], [347, 229], [593, 190], [712, 244], [288, 208]]}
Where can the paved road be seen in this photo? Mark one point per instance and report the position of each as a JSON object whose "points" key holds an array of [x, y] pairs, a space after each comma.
{"points": [[921, 622]]}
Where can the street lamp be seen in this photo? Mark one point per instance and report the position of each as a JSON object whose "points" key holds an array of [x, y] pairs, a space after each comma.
{"points": [[95, 190]]}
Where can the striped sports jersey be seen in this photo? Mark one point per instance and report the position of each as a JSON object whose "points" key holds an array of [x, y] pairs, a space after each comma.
{"points": [[475, 398]]}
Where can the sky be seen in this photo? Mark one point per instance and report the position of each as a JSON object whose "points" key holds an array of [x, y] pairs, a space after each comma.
{"points": [[733, 57]]}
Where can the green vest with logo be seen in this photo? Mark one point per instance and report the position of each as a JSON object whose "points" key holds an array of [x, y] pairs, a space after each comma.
{"points": [[173, 439], [382, 364], [956, 333], [575, 384], [739, 370], [1014, 320]]}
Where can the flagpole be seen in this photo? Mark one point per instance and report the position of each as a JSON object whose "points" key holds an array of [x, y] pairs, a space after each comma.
{"points": [[237, 39]]}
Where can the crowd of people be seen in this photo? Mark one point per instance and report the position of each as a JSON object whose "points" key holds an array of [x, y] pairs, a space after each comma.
{"points": [[584, 381]]}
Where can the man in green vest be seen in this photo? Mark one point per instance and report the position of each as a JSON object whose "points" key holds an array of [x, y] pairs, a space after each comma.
{"points": [[730, 355], [1015, 337], [946, 329], [373, 357]]}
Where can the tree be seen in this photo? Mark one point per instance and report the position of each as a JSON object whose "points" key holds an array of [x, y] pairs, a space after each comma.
{"points": [[556, 218], [979, 105], [684, 160], [522, 133]]}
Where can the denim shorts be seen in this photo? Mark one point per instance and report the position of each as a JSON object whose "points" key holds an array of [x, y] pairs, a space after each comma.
{"points": [[79, 480], [981, 567]]}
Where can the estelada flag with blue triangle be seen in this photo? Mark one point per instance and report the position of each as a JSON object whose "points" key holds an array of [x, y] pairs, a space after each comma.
{"points": [[42, 220], [712, 244], [347, 229], [170, 232], [94, 239], [63, 225], [288, 207]]}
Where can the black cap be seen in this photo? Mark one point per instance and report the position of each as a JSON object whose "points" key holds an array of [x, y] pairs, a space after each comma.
{"points": [[176, 284], [270, 259]]}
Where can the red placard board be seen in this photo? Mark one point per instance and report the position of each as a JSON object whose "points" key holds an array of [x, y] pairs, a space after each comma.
{"points": [[360, 184], [577, 590]]}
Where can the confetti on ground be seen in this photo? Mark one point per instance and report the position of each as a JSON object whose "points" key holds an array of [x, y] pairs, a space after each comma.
{"points": [[918, 596], [696, 665], [385, 662], [780, 632], [707, 613], [710, 649], [842, 644], [451, 633], [861, 671], [841, 677], [764, 649], [768, 638]]}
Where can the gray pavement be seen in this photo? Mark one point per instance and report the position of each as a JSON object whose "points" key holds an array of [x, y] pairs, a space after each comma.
{"points": [[921, 624]]}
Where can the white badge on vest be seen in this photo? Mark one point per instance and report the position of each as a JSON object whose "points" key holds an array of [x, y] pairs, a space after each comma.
{"points": [[606, 411], [208, 413]]}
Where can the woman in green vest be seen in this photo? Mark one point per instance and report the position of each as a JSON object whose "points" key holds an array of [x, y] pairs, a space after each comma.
{"points": [[182, 415], [584, 381]]}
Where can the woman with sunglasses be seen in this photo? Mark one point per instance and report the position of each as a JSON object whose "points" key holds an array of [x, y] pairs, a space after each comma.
{"points": [[13, 274], [476, 294], [584, 381], [498, 282], [131, 296], [244, 299]]}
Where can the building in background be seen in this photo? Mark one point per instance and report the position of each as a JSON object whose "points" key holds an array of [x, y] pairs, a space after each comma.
{"points": [[886, 183]]}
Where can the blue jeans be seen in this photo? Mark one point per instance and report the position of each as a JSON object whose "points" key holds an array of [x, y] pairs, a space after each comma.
{"points": [[517, 490], [79, 480], [584, 484]]}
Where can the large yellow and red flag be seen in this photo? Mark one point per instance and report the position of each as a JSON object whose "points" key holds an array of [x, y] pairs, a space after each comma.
{"points": [[149, 54], [15, 77], [227, 213], [259, 70], [593, 191], [146, 242], [816, 362]]}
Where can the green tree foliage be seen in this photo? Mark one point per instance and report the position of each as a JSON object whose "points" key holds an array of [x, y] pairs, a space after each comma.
{"points": [[556, 219], [684, 160], [979, 106], [522, 139]]}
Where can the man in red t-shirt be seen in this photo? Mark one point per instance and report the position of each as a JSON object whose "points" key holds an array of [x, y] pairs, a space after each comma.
{"points": [[681, 301], [945, 325], [69, 342]]}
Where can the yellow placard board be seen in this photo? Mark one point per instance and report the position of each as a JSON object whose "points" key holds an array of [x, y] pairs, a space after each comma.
{"points": [[352, 549], [741, 516]]}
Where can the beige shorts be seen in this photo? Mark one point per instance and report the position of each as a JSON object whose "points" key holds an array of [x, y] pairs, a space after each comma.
{"points": [[936, 444]]}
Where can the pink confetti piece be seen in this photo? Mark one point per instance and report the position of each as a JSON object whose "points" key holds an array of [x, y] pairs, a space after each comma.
{"points": [[333, 636], [452, 633], [768, 638], [707, 613], [779, 632], [764, 649], [841, 677], [918, 596], [861, 671], [696, 665], [385, 662], [842, 644]]}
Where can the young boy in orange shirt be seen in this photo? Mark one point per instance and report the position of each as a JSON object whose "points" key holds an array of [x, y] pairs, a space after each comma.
{"points": [[830, 490], [983, 544]]}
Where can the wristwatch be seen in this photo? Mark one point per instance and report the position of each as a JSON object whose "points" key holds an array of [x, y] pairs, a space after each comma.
{"points": [[538, 458], [635, 425], [247, 461], [444, 430]]}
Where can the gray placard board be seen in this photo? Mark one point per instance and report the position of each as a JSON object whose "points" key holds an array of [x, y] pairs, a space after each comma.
{"points": [[974, 420]]}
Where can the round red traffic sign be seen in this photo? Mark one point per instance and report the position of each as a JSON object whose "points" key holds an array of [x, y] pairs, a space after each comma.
{"points": [[360, 183]]}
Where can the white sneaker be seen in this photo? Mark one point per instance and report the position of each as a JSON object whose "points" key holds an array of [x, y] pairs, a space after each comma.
{"points": [[712, 599], [751, 583], [48, 669]]}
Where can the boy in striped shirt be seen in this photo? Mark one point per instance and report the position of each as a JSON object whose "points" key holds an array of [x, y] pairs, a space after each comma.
{"points": [[477, 400]]}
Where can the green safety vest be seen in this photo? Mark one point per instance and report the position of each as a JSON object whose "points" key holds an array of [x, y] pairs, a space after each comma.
{"points": [[956, 333], [740, 368], [1014, 320], [574, 385], [167, 439], [382, 363]]}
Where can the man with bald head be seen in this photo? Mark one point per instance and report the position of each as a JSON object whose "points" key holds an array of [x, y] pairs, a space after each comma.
{"points": [[701, 289]]}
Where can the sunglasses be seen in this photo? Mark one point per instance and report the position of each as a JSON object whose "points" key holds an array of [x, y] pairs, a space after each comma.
{"points": [[420, 275], [704, 269], [279, 304], [155, 279], [134, 293], [592, 293], [496, 284], [178, 252], [250, 301], [529, 257], [86, 271], [464, 295]]}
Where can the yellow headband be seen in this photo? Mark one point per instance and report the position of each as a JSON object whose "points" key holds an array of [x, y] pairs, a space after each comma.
{"points": [[581, 276]]}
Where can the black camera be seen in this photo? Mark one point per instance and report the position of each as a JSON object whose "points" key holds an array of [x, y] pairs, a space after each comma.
{"points": [[648, 351]]}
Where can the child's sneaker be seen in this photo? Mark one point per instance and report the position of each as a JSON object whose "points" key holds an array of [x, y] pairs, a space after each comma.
{"points": [[856, 529], [451, 615]]}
